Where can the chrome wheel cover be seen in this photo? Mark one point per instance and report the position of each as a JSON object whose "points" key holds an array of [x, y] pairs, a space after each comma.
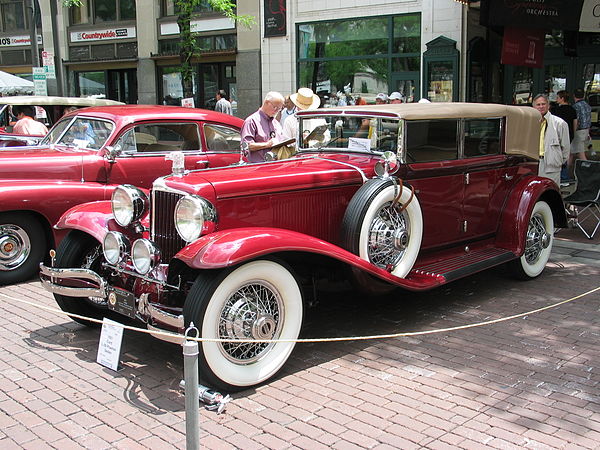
{"points": [[254, 311], [389, 236], [537, 240], [15, 246]]}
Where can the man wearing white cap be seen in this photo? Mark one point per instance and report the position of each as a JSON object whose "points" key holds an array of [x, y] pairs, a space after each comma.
{"points": [[381, 98], [396, 97], [303, 99]]}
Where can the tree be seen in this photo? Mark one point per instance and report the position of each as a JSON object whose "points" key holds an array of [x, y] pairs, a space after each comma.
{"points": [[186, 12]]}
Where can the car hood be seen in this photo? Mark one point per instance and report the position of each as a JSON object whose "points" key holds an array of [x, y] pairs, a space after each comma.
{"points": [[36, 162], [302, 172]]}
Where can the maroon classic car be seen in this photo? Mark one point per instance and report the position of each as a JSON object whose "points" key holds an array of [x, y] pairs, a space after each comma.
{"points": [[85, 156], [48, 111], [410, 196]]}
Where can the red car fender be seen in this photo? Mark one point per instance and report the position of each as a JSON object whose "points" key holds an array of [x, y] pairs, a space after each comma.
{"points": [[520, 203], [230, 247], [92, 218]]}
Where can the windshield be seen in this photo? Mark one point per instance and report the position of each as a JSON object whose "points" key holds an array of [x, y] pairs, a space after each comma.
{"points": [[349, 133], [80, 132]]}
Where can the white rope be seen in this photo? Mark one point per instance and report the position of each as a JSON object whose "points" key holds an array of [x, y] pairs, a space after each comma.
{"points": [[313, 340]]}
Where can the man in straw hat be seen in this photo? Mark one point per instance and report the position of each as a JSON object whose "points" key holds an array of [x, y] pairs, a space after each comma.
{"points": [[303, 99], [261, 131]]}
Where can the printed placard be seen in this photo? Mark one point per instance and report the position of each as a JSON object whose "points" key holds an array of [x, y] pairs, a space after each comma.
{"points": [[109, 348]]}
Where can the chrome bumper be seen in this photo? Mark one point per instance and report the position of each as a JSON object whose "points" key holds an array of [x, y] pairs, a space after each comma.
{"points": [[79, 274], [50, 275]]}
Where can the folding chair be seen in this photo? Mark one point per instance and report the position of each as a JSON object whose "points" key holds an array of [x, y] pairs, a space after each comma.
{"points": [[585, 200]]}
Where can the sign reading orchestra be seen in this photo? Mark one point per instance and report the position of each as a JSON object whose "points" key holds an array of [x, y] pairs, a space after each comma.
{"points": [[581, 15], [275, 18]]}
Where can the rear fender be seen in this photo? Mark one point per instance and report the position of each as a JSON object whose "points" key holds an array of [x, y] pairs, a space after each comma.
{"points": [[231, 247], [515, 217]]}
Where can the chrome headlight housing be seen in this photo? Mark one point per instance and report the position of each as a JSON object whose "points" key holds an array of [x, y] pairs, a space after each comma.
{"points": [[191, 213], [115, 247], [145, 256], [128, 204]]}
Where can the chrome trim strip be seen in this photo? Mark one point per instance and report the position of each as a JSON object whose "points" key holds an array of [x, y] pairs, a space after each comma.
{"points": [[82, 274], [358, 169], [164, 317], [162, 337]]}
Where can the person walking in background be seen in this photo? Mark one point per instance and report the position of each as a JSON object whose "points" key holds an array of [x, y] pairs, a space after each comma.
{"points": [[567, 113], [261, 131], [554, 140], [26, 124], [582, 129], [223, 105], [288, 110]]}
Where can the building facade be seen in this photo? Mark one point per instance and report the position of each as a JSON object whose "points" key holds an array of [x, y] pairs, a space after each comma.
{"points": [[443, 50]]}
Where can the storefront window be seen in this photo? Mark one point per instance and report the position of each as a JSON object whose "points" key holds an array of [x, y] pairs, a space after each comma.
{"points": [[12, 15], [169, 8], [441, 78], [344, 59], [555, 79], [92, 83], [98, 11], [522, 86]]}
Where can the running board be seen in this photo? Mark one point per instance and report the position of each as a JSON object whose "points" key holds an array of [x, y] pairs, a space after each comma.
{"points": [[466, 264]]}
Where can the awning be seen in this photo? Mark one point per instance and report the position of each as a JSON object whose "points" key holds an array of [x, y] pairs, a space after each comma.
{"points": [[574, 15], [10, 84]]}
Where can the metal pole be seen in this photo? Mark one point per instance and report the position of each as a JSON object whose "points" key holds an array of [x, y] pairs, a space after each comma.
{"points": [[192, 407], [35, 54], [57, 54]]}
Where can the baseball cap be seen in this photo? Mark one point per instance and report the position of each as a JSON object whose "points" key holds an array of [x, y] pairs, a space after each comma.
{"points": [[396, 96], [381, 96]]}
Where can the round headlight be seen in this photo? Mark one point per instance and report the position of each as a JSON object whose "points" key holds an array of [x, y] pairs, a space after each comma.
{"points": [[115, 247], [144, 255], [128, 204], [190, 214]]}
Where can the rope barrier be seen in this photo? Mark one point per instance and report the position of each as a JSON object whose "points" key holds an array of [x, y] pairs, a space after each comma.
{"points": [[313, 340]]}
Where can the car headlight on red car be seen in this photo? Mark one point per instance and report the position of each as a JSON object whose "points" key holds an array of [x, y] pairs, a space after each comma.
{"points": [[191, 214], [128, 204], [145, 256]]}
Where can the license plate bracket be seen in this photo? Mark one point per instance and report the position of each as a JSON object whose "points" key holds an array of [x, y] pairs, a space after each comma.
{"points": [[122, 302]]}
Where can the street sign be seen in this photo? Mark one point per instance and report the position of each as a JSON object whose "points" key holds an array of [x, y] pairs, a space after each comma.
{"points": [[39, 81]]}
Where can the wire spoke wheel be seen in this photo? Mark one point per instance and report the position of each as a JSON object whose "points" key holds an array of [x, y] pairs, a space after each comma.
{"points": [[388, 236]]}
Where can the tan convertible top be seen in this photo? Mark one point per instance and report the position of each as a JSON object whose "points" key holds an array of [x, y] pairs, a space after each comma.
{"points": [[522, 122], [44, 100]]}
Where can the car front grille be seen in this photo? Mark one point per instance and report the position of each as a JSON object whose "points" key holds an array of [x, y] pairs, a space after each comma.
{"points": [[163, 231]]}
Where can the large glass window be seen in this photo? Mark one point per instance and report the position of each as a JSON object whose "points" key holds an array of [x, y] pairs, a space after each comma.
{"points": [[99, 11], [92, 83], [169, 8], [431, 140], [346, 59], [12, 15]]}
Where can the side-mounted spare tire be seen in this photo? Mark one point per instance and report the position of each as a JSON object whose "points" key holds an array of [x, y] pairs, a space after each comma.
{"points": [[383, 224]]}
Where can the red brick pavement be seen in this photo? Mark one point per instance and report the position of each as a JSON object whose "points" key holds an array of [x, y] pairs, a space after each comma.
{"points": [[531, 382]]}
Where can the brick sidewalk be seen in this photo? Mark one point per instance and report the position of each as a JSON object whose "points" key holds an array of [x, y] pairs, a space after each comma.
{"points": [[530, 382]]}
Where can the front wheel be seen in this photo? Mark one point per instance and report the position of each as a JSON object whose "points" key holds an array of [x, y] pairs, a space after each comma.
{"points": [[80, 250], [538, 243], [257, 300]]}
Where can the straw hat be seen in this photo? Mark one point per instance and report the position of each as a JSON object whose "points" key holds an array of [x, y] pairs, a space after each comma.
{"points": [[305, 99]]}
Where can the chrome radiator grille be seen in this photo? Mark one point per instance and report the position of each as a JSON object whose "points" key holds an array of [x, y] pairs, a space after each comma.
{"points": [[163, 232]]}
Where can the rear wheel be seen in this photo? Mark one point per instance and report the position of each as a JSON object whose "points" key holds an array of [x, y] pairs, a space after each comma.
{"points": [[257, 300], [22, 247], [80, 250], [538, 243]]}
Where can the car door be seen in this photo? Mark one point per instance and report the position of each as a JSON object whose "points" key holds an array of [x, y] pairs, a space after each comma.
{"points": [[436, 173], [142, 151]]}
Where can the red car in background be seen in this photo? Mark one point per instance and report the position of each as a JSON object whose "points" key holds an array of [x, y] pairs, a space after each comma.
{"points": [[48, 109], [85, 156]]}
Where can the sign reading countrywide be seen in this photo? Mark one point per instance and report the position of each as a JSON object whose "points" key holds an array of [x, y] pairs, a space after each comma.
{"points": [[12, 41], [103, 34]]}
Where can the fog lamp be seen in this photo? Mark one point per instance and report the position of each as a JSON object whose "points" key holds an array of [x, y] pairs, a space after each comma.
{"points": [[115, 247], [144, 255]]}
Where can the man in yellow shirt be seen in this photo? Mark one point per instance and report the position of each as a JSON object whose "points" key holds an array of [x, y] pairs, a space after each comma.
{"points": [[554, 140]]}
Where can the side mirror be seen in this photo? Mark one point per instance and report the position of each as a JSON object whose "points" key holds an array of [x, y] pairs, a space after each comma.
{"points": [[388, 165], [111, 152]]}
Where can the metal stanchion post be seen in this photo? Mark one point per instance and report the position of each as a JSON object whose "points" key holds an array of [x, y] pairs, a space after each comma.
{"points": [[190, 373]]}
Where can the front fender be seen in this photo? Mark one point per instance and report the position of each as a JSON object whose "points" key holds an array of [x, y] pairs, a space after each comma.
{"points": [[94, 218], [231, 247], [515, 217]]}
